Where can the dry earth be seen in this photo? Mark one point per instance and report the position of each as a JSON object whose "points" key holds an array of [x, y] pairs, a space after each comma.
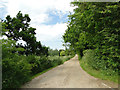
{"points": [[68, 75]]}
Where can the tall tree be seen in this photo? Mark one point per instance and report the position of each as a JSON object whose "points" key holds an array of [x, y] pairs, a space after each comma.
{"points": [[18, 28], [96, 26]]}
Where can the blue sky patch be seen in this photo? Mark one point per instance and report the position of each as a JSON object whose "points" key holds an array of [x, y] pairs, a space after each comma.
{"points": [[56, 18], [3, 12]]}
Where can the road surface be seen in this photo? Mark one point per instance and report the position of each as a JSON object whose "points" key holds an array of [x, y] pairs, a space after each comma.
{"points": [[68, 75]]}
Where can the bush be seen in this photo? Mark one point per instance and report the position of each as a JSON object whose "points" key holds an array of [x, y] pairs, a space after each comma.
{"points": [[62, 53], [90, 56], [16, 71], [55, 60], [53, 52], [38, 64]]}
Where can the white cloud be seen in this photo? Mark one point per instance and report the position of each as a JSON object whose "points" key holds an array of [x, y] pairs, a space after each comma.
{"points": [[41, 18], [12, 7], [38, 11], [38, 7], [49, 32]]}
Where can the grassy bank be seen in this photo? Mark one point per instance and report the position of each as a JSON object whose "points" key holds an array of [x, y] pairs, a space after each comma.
{"points": [[98, 74], [107, 74]]}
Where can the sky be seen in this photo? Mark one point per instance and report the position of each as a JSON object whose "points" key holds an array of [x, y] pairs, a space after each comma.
{"points": [[49, 17]]}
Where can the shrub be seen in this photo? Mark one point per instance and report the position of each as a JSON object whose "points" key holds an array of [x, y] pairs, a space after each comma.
{"points": [[16, 71], [90, 56], [62, 53], [38, 64]]}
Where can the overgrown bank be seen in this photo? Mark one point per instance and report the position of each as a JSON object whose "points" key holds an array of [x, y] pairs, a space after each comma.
{"points": [[19, 69], [88, 63]]}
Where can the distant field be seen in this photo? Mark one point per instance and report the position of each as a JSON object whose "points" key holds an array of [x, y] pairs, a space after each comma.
{"points": [[59, 57]]}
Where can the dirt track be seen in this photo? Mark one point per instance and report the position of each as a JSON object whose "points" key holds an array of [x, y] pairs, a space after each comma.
{"points": [[68, 75]]}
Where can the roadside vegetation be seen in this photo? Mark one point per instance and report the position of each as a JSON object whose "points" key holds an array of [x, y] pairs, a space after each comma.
{"points": [[88, 63], [20, 63], [94, 34]]}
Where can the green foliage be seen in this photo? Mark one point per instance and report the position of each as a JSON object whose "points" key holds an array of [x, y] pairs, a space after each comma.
{"points": [[96, 67], [95, 26], [91, 57], [18, 28], [15, 71], [109, 75], [14, 66], [8, 48], [40, 64], [20, 63], [62, 53], [57, 60], [69, 52], [18, 69], [53, 52]]}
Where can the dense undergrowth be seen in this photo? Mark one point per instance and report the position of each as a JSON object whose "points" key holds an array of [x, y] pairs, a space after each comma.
{"points": [[17, 70], [92, 65]]}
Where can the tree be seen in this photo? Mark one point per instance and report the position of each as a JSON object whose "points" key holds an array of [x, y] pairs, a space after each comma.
{"points": [[53, 52], [96, 26], [18, 28]]}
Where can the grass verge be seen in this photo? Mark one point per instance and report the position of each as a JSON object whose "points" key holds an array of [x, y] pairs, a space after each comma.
{"points": [[98, 74], [38, 74]]}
